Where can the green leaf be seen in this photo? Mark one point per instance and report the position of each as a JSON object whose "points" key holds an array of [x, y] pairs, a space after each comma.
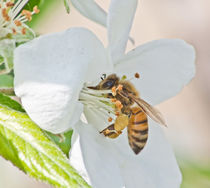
{"points": [[26, 146], [63, 141], [9, 103], [66, 4], [6, 81]]}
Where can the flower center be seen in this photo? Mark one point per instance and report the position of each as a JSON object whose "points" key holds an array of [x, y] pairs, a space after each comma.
{"points": [[11, 20], [110, 98], [100, 102]]}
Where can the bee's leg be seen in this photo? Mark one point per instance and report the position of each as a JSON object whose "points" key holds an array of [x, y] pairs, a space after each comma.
{"points": [[111, 132]]}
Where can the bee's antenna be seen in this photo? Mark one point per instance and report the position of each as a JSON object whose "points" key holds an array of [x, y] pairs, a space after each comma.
{"points": [[103, 76]]}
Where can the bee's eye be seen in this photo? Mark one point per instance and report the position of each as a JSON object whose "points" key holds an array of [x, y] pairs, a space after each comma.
{"points": [[108, 84]]}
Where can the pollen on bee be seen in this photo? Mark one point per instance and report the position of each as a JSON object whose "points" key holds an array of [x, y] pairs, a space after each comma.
{"points": [[119, 87], [114, 93], [137, 75], [109, 119], [117, 113], [113, 99], [118, 104]]}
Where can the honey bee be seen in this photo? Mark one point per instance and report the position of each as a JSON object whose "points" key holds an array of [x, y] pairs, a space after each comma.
{"points": [[133, 111]]}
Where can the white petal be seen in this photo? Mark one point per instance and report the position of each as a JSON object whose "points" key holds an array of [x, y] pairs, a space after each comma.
{"points": [[120, 18], [91, 10], [95, 154], [155, 166], [165, 67], [50, 72]]}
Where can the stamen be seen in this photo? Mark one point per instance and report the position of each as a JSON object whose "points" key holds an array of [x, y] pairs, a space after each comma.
{"points": [[124, 77], [12, 19], [27, 14], [113, 100], [137, 75], [119, 105], [114, 93], [117, 113], [17, 23], [10, 4], [119, 87], [110, 119], [5, 14], [36, 10], [14, 31], [23, 31]]}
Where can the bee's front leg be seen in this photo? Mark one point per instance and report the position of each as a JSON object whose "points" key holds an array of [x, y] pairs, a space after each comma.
{"points": [[111, 132]]}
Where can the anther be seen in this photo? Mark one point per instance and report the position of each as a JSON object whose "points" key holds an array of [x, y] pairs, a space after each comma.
{"points": [[113, 99], [5, 14], [109, 119], [117, 113], [17, 23], [27, 14], [10, 4], [124, 77], [137, 75], [119, 87], [14, 31], [118, 104], [23, 30], [114, 93], [36, 10]]}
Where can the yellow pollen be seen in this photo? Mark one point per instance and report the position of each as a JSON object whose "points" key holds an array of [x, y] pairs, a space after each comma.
{"points": [[124, 77], [14, 31], [109, 119], [114, 91], [113, 100], [10, 4], [119, 105], [27, 14], [137, 75], [23, 30], [119, 87], [17, 23], [5, 14], [36, 10], [117, 113]]}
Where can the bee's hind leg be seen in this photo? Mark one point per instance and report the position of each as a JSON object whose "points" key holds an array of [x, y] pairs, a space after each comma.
{"points": [[111, 132]]}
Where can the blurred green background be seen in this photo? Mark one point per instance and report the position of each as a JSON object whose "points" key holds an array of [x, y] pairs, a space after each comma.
{"points": [[188, 113]]}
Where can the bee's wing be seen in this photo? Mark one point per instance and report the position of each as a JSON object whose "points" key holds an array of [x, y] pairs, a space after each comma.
{"points": [[151, 111]]}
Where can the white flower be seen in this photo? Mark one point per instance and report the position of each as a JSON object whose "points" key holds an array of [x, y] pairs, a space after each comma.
{"points": [[12, 19], [13, 29], [51, 74]]}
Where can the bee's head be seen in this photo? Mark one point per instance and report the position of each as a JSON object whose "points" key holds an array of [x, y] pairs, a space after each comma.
{"points": [[107, 82]]}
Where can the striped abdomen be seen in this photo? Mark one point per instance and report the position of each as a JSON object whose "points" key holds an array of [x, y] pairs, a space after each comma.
{"points": [[137, 129]]}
